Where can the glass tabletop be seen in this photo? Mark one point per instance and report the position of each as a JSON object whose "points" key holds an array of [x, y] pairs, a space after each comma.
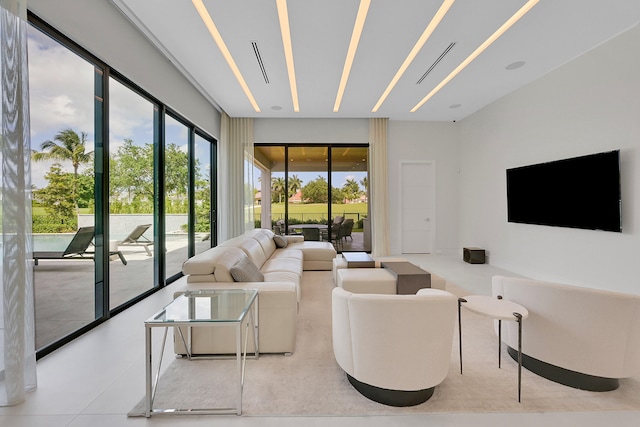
{"points": [[207, 305]]}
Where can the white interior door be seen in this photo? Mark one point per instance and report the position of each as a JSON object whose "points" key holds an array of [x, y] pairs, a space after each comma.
{"points": [[417, 210]]}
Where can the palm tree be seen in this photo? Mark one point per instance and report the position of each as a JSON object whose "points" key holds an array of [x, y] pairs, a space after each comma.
{"points": [[67, 145], [295, 184], [365, 183], [278, 187], [351, 189]]}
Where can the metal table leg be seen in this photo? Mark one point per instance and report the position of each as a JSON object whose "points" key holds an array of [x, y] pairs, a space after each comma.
{"points": [[460, 301], [518, 317]]}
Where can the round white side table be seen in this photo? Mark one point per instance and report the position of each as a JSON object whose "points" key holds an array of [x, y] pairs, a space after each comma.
{"points": [[499, 309]]}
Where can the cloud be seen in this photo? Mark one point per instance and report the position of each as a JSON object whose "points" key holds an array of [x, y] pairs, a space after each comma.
{"points": [[61, 89], [62, 96], [61, 86]]}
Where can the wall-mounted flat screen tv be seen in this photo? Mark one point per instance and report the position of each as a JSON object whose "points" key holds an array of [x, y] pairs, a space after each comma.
{"points": [[581, 192]]}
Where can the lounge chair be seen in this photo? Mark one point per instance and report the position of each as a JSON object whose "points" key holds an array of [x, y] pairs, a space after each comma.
{"points": [[136, 238], [77, 248], [347, 227]]}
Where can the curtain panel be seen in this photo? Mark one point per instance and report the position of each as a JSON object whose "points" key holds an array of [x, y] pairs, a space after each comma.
{"points": [[17, 318], [379, 187], [236, 143]]}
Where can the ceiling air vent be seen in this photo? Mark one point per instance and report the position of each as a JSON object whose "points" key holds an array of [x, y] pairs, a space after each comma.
{"points": [[442, 55], [256, 50]]}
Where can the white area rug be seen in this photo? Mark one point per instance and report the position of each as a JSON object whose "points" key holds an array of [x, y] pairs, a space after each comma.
{"points": [[310, 382]]}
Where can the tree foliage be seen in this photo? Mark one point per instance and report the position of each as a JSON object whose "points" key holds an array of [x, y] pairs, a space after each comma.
{"points": [[295, 184], [131, 173], [278, 188], [316, 191], [58, 202], [351, 190], [67, 145], [131, 185]]}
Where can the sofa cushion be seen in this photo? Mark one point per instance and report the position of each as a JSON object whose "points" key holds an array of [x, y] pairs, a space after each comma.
{"points": [[280, 241], [254, 251], [288, 253], [315, 251], [246, 271], [265, 238], [283, 264]]}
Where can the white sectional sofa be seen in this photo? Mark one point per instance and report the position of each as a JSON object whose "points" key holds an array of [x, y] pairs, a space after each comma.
{"points": [[275, 272], [580, 337]]}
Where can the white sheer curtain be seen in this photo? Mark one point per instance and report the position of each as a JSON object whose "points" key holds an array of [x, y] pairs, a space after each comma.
{"points": [[379, 187], [17, 341], [236, 140]]}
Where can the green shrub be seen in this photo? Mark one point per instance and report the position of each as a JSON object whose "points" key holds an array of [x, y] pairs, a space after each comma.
{"points": [[51, 224]]}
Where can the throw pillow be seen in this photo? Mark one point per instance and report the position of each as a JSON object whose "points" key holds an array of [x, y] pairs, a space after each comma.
{"points": [[246, 271], [280, 241]]}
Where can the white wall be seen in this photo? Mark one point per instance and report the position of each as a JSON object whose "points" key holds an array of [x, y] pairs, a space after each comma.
{"points": [[426, 141], [590, 105], [100, 28]]}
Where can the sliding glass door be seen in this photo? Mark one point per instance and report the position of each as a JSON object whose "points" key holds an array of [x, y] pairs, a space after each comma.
{"points": [[308, 192], [131, 193], [350, 183], [302, 188], [62, 140], [123, 189], [176, 194], [204, 218]]}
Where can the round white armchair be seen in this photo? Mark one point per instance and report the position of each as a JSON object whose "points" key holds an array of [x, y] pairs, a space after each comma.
{"points": [[395, 349]]}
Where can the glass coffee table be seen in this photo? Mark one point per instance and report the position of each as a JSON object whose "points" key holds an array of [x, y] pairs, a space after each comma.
{"points": [[209, 308]]}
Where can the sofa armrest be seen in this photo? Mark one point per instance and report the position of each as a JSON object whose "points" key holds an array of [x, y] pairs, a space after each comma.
{"points": [[277, 320]]}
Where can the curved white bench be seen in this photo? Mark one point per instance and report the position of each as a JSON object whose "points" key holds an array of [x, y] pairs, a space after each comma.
{"points": [[580, 337]]}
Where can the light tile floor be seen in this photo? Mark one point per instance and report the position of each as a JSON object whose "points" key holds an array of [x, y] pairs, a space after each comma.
{"points": [[96, 379]]}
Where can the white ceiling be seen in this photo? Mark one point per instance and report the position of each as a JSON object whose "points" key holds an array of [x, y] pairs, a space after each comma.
{"points": [[551, 34]]}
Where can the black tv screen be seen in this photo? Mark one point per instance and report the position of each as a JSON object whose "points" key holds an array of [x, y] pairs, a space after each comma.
{"points": [[581, 192]]}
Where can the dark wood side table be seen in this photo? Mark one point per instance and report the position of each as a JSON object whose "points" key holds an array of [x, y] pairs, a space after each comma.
{"points": [[359, 260], [410, 277]]}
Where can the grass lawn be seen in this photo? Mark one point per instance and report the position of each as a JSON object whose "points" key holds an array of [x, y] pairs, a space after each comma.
{"points": [[316, 212], [40, 211]]}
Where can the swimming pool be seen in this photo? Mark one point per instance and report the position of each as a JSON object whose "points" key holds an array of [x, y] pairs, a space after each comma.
{"points": [[60, 241]]}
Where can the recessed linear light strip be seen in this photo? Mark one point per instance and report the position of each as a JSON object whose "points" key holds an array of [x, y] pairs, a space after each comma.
{"points": [[519, 14], [213, 30], [283, 15], [361, 17], [444, 8]]}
